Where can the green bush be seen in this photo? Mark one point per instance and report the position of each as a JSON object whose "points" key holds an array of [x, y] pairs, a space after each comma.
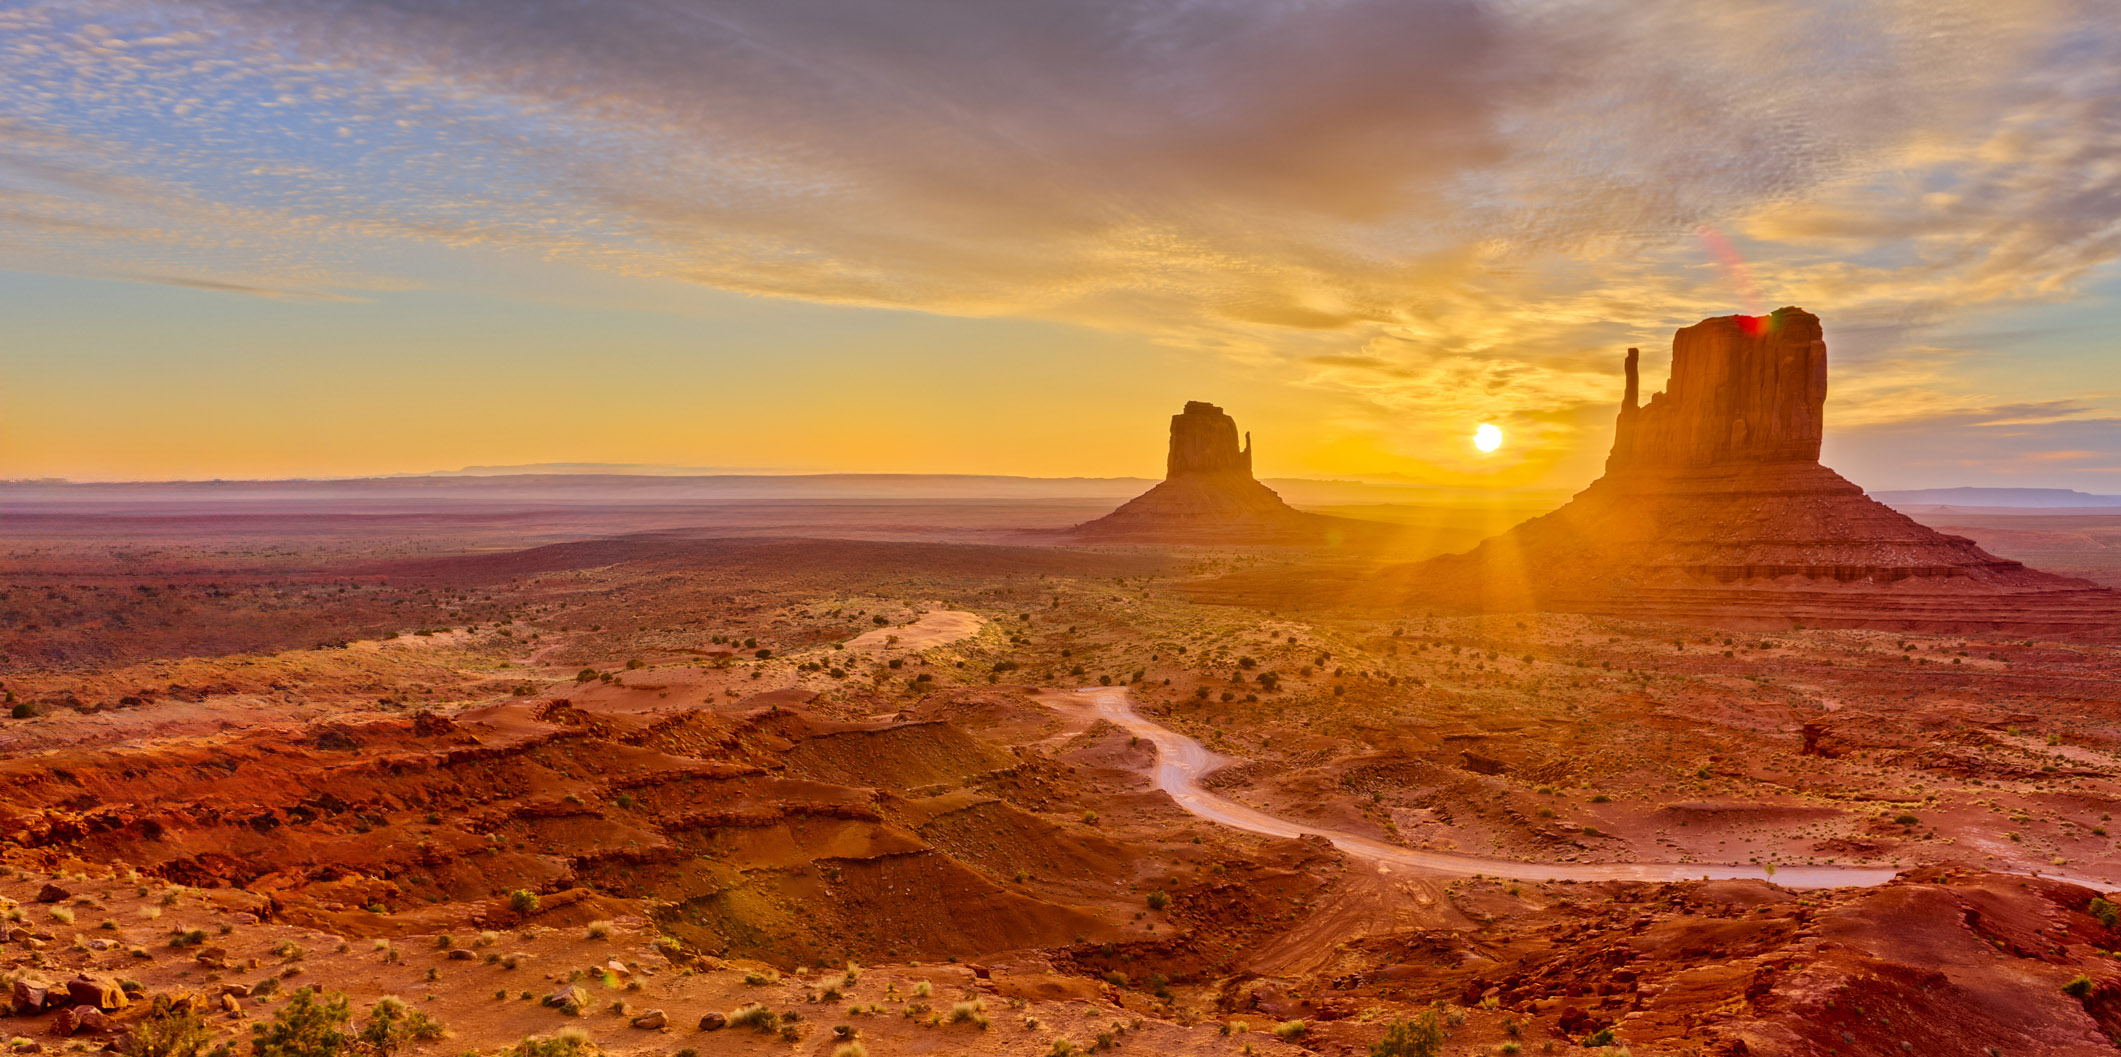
{"points": [[1159, 899], [307, 1026], [2078, 987], [392, 1026], [567, 1042], [523, 901], [168, 1032], [2108, 914], [1420, 1037]]}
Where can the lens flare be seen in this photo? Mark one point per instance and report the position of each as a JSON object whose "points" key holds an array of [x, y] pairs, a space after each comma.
{"points": [[1488, 437]]}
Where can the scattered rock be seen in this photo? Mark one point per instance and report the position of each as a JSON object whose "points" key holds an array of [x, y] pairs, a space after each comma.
{"points": [[230, 1006], [52, 893], [462, 955], [100, 993], [713, 1022], [568, 999], [30, 996], [651, 1020], [75, 1019]]}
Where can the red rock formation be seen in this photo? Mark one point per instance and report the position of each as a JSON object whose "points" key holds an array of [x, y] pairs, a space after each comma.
{"points": [[1714, 506], [1204, 440], [1208, 495], [1743, 389]]}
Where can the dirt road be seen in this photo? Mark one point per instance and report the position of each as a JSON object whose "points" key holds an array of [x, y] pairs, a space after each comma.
{"points": [[1182, 762]]}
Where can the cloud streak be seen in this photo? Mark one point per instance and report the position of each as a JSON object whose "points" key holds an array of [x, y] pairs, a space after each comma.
{"points": [[1433, 210]]}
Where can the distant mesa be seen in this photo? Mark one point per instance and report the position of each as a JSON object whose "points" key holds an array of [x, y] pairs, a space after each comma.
{"points": [[1208, 495], [1714, 508]]}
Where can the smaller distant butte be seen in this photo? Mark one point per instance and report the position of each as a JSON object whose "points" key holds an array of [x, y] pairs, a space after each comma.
{"points": [[1208, 495]]}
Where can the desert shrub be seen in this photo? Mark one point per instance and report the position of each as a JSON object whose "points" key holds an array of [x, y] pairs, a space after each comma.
{"points": [[1061, 1048], [62, 915], [523, 901], [1159, 899], [1419, 1037], [1290, 1029], [753, 1016], [850, 1049], [599, 930], [2108, 914], [187, 937], [567, 1042], [923, 989], [307, 1026], [392, 1026], [2078, 988], [167, 1032], [583, 676], [1601, 1037]]}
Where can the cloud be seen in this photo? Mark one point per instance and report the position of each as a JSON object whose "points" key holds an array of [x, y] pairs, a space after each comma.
{"points": [[1428, 209]]}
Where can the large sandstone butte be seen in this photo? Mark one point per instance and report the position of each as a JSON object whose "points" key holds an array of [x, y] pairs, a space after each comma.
{"points": [[1714, 506], [1208, 494]]}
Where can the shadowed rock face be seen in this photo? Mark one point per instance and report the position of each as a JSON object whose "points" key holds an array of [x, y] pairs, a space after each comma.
{"points": [[1208, 494], [1204, 440]]}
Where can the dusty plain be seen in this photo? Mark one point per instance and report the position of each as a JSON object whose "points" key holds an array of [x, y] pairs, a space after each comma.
{"points": [[723, 761]]}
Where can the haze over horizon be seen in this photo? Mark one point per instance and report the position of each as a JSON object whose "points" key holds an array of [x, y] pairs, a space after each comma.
{"points": [[257, 240]]}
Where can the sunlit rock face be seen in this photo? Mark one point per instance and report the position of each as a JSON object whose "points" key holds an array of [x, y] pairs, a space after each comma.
{"points": [[1714, 506], [1744, 389]]}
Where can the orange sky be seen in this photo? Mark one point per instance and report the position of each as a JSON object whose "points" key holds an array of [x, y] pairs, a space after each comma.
{"points": [[315, 239]]}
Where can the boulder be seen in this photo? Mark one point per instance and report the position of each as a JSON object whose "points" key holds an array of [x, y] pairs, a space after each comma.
{"points": [[462, 955], [29, 996], [713, 1022], [230, 1006], [52, 893], [651, 1020], [73, 1020], [568, 999], [102, 993]]}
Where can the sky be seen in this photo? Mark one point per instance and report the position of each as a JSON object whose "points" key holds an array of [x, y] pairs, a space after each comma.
{"points": [[310, 238]]}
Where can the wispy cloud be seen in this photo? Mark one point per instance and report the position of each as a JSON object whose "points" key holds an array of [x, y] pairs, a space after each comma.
{"points": [[1433, 210]]}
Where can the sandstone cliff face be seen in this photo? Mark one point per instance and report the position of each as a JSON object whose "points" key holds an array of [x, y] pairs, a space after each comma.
{"points": [[1744, 389], [1204, 440]]}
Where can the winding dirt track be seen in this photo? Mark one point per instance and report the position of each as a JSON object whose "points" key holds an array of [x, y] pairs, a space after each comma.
{"points": [[1181, 762]]}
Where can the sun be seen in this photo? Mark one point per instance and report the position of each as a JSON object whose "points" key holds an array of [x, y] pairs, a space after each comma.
{"points": [[1488, 437]]}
